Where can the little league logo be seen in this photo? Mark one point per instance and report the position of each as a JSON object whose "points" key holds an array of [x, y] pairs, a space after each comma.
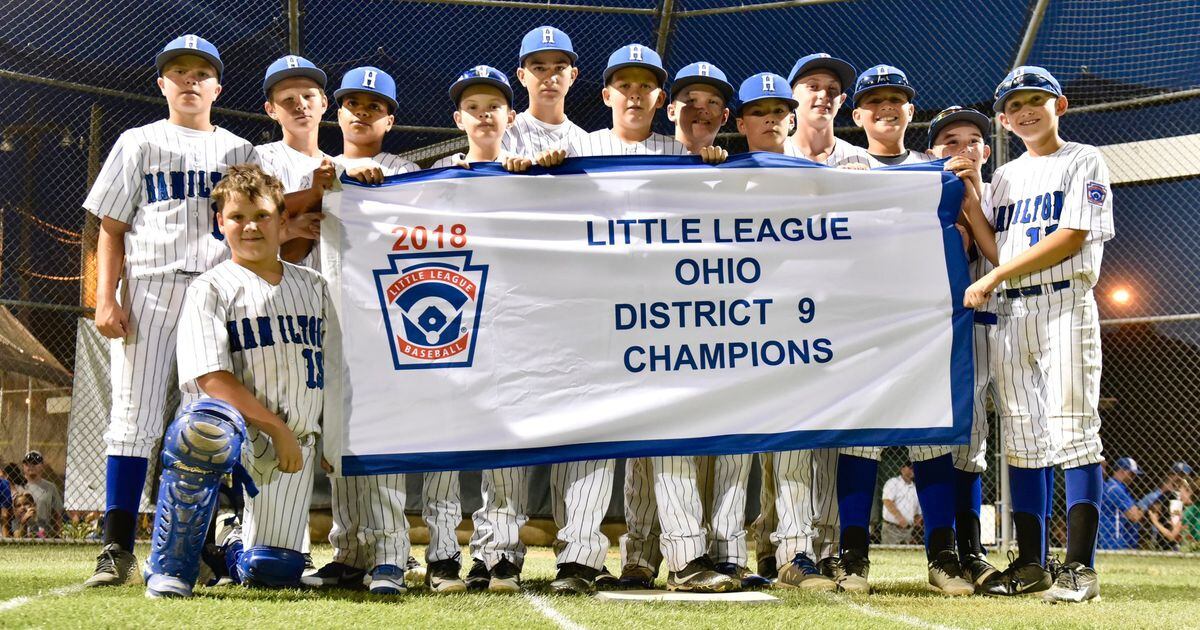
{"points": [[1096, 192], [431, 305]]}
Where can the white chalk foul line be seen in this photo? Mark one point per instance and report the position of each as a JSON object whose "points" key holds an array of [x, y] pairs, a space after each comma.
{"points": [[550, 613], [17, 602], [896, 617]]}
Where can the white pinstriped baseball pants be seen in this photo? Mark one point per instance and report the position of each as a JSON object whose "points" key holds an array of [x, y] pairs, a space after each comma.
{"points": [[278, 515], [579, 495], [818, 488], [369, 525], [498, 521], [722, 481], [664, 514]]}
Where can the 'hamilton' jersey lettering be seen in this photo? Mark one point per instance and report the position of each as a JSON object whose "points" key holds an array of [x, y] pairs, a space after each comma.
{"points": [[158, 179], [528, 136], [604, 142], [1031, 197], [270, 337]]}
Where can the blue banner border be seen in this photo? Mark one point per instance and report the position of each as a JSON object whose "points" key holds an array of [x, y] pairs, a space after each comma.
{"points": [[961, 354]]}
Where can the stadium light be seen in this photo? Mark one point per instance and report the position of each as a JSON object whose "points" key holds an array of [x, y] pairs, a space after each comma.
{"points": [[1122, 296]]}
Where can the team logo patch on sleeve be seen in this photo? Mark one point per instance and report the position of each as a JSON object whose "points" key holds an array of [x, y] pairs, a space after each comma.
{"points": [[1096, 193], [431, 305]]}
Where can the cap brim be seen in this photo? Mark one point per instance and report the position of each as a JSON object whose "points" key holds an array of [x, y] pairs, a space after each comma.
{"points": [[459, 87], [791, 101], [570, 53], [338, 94], [310, 73], [723, 87], [976, 118], [658, 72], [998, 106], [912, 94], [167, 55], [843, 70]]}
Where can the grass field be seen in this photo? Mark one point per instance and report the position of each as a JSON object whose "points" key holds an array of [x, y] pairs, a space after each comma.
{"points": [[39, 588]]}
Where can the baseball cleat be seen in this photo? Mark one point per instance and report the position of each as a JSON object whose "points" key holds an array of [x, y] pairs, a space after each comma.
{"points": [[742, 574], [767, 568], [1018, 580], [506, 578], [309, 567], [636, 576], [605, 580], [856, 567], [442, 577], [831, 568], [414, 572], [574, 579], [802, 573], [478, 578], [977, 569], [701, 576], [945, 575], [335, 574], [166, 586], [113, 566], [1075, 584], [387, 579]]}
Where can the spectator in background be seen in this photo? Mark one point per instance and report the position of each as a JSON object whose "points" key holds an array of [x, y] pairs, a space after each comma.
{"points": [[1119, 513], [25, 519], [1166, 516], [1178, 473], [1191, 518], [6, 506], [45, 494], [16, 480], [901, 510]]}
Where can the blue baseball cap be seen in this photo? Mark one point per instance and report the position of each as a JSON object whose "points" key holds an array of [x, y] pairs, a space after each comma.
{"points": [[190, 45], [481, 75], [762, 86], [822, 61], [955, 114], [291, 66], [544, 38], [882, 76], [1182, 468], [635, 56], [702, 72], [371, 80], [1026, 78], [1127, 463]]}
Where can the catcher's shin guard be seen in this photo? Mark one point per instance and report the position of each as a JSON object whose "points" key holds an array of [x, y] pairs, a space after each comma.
{"points": [[202, 445]]}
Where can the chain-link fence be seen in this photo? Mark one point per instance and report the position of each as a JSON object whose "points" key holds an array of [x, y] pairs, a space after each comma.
{"points": [[75, 75]]}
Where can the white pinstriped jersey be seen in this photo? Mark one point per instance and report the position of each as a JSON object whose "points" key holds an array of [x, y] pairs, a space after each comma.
{"points": [[391, 163], [603, 142], [270, 337], [292, 168], [528, 136], [981, 266], [1034, 196], [842, 153], [158, 179], [911, 157]]}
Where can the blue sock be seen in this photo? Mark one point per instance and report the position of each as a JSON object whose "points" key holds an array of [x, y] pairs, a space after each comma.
{"points": [[1085, 485], [124, 479], [1029, 505], [934, 479], [968, 497], [1049, 513], [856, 493]]}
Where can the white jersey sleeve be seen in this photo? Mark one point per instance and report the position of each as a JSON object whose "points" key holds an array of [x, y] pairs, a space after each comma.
{"points": [[389, 163], [1034, 196], [845, 153], [292, 168], [270, 337], [119, 187], [528, 136]]}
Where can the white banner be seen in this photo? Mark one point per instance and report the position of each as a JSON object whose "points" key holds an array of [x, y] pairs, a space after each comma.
{"points": [[644, 306]]}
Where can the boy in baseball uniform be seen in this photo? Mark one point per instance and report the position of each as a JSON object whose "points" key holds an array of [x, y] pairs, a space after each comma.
{"points": [[482, 98], [158, 232], [664, 508], [883, 108], [765, 115], [546, 68], [1052, 214], [960, 134], [370, 531]]}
